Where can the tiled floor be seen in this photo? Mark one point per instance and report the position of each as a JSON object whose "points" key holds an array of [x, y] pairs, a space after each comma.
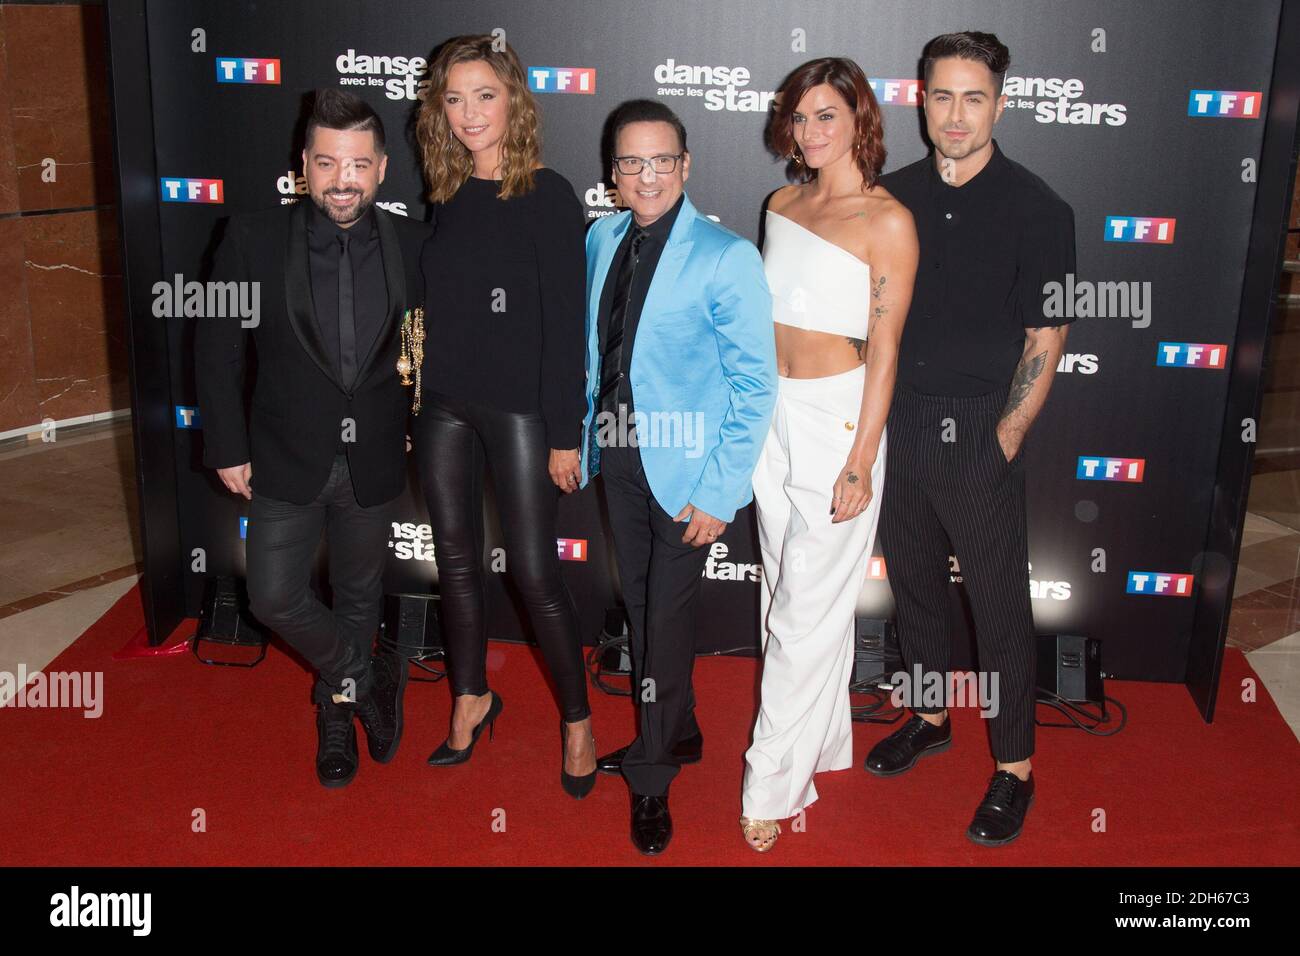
{"points": [[70, 549]]}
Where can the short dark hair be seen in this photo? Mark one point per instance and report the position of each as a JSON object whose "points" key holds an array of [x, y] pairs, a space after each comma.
{"points": [[984, 48], [339, 109], [644, 111]]}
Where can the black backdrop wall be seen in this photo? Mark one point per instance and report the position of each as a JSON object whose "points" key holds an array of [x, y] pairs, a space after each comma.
{"points": [[1148, 119]]}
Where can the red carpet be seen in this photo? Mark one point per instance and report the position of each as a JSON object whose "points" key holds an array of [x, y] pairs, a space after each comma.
{"points": [[176, 737]]}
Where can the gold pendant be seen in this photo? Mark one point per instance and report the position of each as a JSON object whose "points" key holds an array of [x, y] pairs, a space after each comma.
{"points": [[412, 357]]}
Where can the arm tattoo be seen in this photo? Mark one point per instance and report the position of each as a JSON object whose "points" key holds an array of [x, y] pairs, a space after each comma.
{"points": [[1026, 374], [878, 290]]}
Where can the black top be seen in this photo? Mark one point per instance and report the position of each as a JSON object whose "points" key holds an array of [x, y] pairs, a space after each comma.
{"points": [[987, 248], [505, 290], [370, 291], [652, 247]]}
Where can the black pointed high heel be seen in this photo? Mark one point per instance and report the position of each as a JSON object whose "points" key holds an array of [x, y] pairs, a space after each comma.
{"points": [[576, 787], [446, 755]]}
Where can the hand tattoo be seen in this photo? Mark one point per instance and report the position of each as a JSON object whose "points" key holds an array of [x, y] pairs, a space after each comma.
{"points": [[851, 478]]}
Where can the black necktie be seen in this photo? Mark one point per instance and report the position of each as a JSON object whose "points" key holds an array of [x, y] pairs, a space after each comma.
{"points": [[611, 365], [347, 317]]}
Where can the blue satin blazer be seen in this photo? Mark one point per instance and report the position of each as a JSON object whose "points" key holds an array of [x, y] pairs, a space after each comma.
{"points": [[703, 371]]}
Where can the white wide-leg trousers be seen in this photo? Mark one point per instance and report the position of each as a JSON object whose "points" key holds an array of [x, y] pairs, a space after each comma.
{"points": [[813, 571]]}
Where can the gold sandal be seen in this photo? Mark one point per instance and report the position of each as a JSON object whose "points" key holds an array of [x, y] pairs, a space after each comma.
{"points": [[748, 826]]}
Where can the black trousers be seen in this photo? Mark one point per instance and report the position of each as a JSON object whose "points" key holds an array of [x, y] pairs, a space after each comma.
{"points": [[661, 579], [949, 483], [280, 551], [454, 441]]}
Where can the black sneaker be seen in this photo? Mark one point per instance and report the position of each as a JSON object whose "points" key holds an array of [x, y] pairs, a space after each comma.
{"points": [[381, 710], [1001, 814], [905, 746], [336, 744]]}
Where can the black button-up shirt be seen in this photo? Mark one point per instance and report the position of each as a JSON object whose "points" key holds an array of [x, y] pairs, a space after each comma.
{"points": [[369, 287], [987, 248], [652, 247]]}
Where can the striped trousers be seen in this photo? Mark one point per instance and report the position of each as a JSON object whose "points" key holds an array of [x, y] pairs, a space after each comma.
{"points": [[949, 484]]}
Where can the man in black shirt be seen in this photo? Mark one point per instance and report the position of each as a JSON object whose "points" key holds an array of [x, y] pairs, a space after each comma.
{"points": [[975, 365], [324, 450]]}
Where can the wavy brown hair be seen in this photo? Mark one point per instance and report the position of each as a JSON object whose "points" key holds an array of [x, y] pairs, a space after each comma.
{"points": [[446, 161], [847, 79]]}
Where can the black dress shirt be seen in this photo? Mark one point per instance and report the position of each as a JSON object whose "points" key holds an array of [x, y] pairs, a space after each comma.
{"points": [[370, 291], [987, 248], [652, 247]]}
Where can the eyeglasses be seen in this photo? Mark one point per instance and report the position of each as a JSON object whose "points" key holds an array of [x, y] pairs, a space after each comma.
{"points": [[633, 165]]}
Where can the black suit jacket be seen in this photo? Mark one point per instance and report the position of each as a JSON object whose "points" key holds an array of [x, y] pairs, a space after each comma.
{"points": [[299, 403]]}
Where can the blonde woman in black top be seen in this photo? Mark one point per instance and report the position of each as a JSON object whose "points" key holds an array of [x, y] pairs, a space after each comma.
{"points": [[505, 274]]}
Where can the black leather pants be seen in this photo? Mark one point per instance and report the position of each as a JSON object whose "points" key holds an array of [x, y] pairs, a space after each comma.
{"points": [[282, 542], [453, 441]]}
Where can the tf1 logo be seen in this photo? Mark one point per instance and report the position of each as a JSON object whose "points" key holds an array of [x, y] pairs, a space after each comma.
{"points": [[1228, 104], [571, 549], [177, 189], [895, 92], [1159, 584], [1097, 468], [562, 79], [1139, 229], [247, 69], [1191, 354]]}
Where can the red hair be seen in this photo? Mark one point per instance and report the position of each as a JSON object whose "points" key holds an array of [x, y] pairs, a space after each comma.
{"points": [[846, 78]]}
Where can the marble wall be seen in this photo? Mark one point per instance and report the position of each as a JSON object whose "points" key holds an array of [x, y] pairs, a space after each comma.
{"points": [[62, 332]]}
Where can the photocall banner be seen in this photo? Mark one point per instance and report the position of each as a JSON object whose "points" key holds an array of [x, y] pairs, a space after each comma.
{"points": [[1146, 118]]}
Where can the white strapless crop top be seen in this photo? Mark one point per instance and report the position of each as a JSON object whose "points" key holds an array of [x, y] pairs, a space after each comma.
{"points": [[815, 284]]}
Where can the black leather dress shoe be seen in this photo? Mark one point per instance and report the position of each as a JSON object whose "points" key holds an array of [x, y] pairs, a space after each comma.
{"points": [[688, 750], [336, 744], [1001, 814], [652, 825], [381, 710], [905, 746]]}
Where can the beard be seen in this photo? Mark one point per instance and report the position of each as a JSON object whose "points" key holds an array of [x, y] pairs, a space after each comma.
{"points": [[338, 215], [960, 150]]}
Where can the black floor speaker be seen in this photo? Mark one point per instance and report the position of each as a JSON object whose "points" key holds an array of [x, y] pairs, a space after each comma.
{"points": [[411, 626], [614, 655], [224, 619], [876, 656], [1069, 666]]}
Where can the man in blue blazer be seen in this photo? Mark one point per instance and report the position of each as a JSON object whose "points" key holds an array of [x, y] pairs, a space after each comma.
{"points": [[675, 426]]}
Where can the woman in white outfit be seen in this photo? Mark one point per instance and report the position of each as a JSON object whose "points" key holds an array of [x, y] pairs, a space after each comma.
{"points": [[840, 255]]}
